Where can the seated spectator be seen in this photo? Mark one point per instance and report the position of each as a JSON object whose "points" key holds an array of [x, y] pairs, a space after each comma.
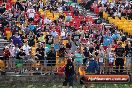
{"points": [[117, 13], [53, 32], [41, 38], [83, 22], [31, 12], [31, 27], [76, 12], [68, 17], [123, 13], [47, 21], [129, 15]]}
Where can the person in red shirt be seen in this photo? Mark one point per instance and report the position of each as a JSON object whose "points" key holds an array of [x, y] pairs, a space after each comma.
{"points": [[6, 55], [6, 29]]}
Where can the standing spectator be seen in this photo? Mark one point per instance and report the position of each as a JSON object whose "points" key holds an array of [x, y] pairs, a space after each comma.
{"points": [[101, 56], [62, 52], [51, 58], [30, 61], [120, 51], [26, 48], [40, 53], [128, 50], [111, 61], [78, 58], [6, 55], [92, 65], [31, 39], [17, 40], [20, 57]]}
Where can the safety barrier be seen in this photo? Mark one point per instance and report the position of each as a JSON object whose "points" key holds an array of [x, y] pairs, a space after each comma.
{"points": [[57, 65]]}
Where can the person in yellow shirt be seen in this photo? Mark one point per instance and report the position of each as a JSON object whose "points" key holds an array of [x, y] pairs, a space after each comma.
{"points": [[41, 38]]}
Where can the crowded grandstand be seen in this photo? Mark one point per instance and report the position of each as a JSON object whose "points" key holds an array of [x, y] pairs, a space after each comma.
{"points": [[43, 35]]}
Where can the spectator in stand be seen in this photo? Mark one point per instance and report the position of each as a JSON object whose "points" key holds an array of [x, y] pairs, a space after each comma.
{"points": [[31, 27], [30, 61], [78, 58], [76, 12], [6, 56], [41, 38], [12, 55], [40, 53], [31, 12], [17, 40], [62, 52], [101, 56], [111, 61], [68, 17], [120, 52], [31, 39], [92, 66], [128, 50], [26, 48], [53, 32], [51, 58], [117, 14], [20, 59]]}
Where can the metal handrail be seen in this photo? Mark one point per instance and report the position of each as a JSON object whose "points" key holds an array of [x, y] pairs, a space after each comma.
{"points": [[36, 64]]}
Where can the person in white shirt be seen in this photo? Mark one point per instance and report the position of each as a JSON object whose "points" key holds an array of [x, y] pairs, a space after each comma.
{"points": [[117, 14], [111, 61], [63, 33], [26, 48], [47, 21], [101, 59], [31, 12], [60, 9]]}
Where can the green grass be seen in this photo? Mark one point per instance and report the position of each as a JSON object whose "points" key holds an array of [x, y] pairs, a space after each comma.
{"points": [[60, 86]]}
